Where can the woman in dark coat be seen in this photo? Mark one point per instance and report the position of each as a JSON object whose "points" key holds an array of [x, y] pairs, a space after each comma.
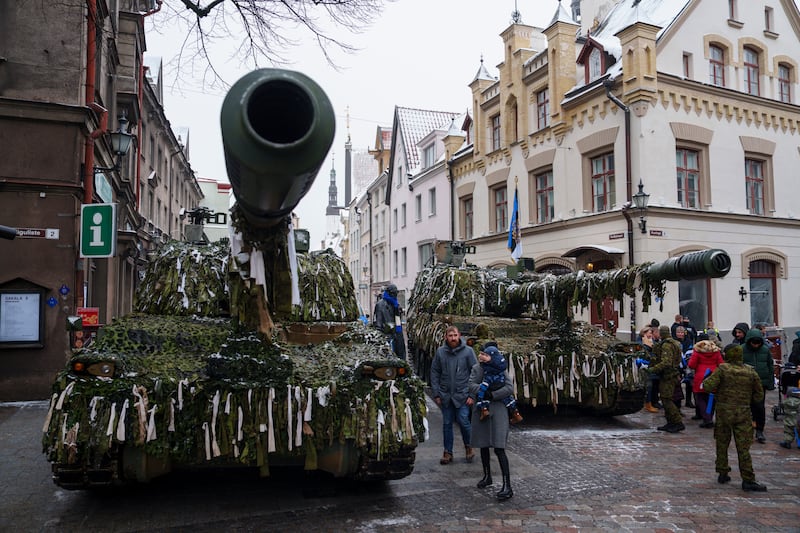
{"points": [[491, 432]]}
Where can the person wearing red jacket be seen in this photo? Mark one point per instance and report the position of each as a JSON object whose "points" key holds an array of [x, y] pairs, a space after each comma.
{"points": [[706, 357]]}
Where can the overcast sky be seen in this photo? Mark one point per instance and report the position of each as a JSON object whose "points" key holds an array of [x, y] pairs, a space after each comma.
{"points": [[419, 53]]}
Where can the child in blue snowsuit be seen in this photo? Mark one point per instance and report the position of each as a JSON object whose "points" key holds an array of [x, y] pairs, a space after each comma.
{"points": [[494, 377]]}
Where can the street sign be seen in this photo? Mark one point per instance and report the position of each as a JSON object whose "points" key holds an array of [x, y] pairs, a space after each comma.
{"points": [[98, 230]]}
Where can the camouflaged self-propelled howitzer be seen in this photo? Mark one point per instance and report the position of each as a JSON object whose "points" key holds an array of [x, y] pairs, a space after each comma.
{"points": [[556, 362], [244, 356]]}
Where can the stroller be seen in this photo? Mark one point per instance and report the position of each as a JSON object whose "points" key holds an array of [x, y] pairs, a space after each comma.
{"points": [[789, 377]]}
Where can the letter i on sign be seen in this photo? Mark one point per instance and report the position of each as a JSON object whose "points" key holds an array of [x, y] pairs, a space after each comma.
{"points": [[96, 230]]}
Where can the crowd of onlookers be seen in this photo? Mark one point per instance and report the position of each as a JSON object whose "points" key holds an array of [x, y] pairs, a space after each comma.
{"points": [[726, 382]]}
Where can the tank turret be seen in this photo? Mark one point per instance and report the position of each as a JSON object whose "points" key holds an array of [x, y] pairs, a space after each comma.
{"points": [[242, 353], [557, 362]]}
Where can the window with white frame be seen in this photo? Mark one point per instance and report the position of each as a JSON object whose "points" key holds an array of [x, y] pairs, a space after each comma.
{"points": [[595, 64], [425, 255], [429, 156], [432, 201], [395, 263], [403, 215], [418, 207], [403, 261], [394, 220]]}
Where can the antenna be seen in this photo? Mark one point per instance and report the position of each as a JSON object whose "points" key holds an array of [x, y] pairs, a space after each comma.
{"points": [[516, 16]]}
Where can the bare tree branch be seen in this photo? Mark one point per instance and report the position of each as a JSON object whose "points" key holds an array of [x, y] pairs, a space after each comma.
{"points": [[256, 32]]}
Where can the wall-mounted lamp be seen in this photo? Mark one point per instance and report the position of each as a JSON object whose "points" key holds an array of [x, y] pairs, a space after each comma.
{"points": [[120, 143], [742, 292], [589, 267], [640, 200], [358, 216]]}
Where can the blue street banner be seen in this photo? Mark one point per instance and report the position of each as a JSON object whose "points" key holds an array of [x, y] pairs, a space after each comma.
{"points": [[514, 237]]}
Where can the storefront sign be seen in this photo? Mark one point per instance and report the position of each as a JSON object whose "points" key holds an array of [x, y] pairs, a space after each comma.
{"points": [[90, 316], [615, 236]]}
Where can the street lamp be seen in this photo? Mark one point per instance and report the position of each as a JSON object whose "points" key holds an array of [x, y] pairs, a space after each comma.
{"points": [[120, 143], [640, 200]]}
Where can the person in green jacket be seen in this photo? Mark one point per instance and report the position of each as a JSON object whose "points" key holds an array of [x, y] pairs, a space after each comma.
{"points": [[756, 355], [666, 368], [736, 387]]}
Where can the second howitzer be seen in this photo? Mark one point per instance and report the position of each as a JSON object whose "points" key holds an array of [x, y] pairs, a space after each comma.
{"points": [[557, 362], [245, 353]]}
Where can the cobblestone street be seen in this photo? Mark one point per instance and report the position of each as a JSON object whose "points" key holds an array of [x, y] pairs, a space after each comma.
{"points": [[616, 474]]}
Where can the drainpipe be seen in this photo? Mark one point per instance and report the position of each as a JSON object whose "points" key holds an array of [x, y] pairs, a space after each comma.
{"points": [[452, 199], [369, 280], [608, 84]]}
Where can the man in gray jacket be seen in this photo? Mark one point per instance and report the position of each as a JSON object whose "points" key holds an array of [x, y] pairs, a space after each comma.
{"points": [[450, 372]]}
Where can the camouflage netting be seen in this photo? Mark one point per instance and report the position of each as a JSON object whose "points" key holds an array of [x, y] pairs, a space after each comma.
{"points": [[185, 279], [470, 290], [178, 398], [556, 361]]}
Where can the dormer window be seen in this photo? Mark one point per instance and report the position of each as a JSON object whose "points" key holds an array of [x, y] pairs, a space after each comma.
{"points": [[593, 59]]}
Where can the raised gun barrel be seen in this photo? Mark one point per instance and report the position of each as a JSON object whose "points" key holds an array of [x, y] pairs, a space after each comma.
{"points": [[277, 128], [703, 264], [7, 233]]}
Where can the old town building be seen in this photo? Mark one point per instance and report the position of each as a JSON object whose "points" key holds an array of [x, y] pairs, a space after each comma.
{"points": [[72, 79], [694, 100]]}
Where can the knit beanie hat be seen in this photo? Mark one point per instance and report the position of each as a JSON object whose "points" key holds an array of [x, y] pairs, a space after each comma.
{"points": [[491, 351], [733, 353]]}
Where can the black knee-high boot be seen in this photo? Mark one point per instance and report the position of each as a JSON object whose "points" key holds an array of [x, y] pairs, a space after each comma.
{"points": [[487, 469], [505, 492]]}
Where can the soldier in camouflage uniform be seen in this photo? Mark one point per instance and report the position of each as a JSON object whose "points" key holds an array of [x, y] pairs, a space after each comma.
{"points": [[667, 369], [735, 386]]}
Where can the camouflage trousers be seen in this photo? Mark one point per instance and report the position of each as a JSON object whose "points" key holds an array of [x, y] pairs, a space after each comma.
{"points": [[666, 389], [790, 406], [736, 421]]}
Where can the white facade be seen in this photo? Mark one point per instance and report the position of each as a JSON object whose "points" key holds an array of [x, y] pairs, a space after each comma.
{"points": [[657, 62]]}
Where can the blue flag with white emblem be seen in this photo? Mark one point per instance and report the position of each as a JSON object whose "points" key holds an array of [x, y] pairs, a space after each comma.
{"points": [[514, 237]]}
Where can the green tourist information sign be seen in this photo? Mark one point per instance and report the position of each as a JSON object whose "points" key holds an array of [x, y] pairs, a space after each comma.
{"points": [[98, 230]]}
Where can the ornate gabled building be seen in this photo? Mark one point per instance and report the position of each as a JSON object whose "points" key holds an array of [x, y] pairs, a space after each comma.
{"points": [[72, 80], [694, 99]]}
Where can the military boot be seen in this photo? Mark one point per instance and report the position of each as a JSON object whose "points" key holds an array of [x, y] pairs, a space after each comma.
{"points": [[752, 486]]}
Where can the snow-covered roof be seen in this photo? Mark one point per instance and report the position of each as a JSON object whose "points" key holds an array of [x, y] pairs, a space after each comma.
{"points": [[483, 73], [562, 15], [414, 124]]}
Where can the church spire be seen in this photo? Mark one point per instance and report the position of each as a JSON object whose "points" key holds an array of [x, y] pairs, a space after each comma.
{"points": [[333, 195]]}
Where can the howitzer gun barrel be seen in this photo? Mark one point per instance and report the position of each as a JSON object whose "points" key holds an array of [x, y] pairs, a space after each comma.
{"points": [[277, 127], [703, 264]]}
